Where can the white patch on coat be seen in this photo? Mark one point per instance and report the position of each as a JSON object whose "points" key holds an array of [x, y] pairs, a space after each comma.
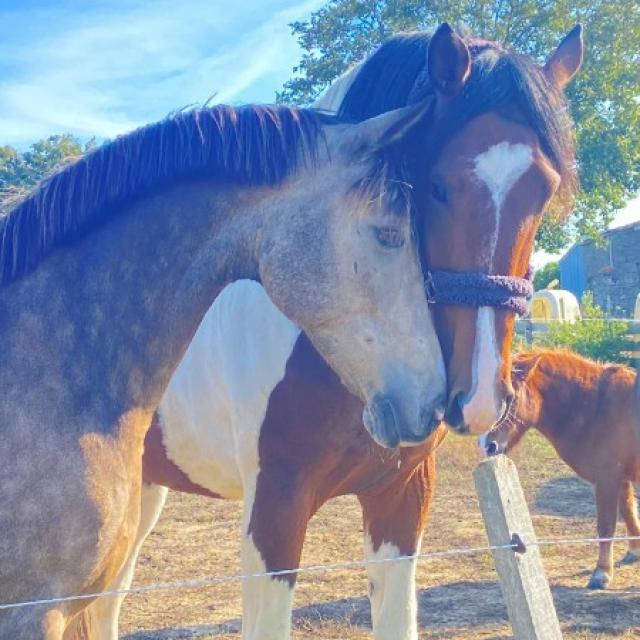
{"points": [[392, 593], [499, 168], [266, 602], [481, 410], [214, 407], [332, 98]]}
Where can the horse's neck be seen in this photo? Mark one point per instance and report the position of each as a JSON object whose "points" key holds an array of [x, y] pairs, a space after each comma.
{"points": [[108, 317]]}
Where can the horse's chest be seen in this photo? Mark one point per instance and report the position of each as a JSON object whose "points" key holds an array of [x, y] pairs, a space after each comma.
{"points": [[174, 460], [212, 435], [212, 412]]}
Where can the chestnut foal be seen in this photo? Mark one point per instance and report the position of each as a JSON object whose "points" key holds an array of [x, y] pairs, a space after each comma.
{"points": [[589, 413]]}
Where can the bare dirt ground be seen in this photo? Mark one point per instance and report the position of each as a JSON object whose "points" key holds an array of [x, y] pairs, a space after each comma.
{"points": [[459, 597]]}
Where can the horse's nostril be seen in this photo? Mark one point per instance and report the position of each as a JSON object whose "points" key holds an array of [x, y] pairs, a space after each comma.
{"points": [[492, 448], [457, 401], [454, 416]]}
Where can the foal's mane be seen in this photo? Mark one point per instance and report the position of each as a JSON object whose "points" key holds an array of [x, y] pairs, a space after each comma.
{"points": [[250, 145], [396, 75], [565, 363]]}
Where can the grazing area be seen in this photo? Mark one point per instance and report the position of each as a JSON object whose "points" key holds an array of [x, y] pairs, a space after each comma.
{"points": [[459, 596]]}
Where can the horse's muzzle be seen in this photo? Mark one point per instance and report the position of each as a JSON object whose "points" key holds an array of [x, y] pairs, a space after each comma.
{"points": [[383, 420], [488, 446]]}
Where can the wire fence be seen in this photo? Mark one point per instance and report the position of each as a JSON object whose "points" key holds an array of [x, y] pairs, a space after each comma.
{"points": [[515, 546]]}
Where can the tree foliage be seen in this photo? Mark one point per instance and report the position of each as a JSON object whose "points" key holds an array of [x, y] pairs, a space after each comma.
{"points": [[19, 172], [545, 275], [604, 96]]}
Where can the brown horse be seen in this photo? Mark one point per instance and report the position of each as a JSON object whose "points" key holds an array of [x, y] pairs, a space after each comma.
{"points": [[589, 413], [105, 274], [254, 413], [499, 152]]}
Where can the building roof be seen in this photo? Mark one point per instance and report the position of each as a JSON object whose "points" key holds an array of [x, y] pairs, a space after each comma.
{"points": [[625, 227], [631, 226]]}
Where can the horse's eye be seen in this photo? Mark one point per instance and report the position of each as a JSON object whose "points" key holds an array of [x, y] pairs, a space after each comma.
{"points": [[439, 193], [389, 237]]}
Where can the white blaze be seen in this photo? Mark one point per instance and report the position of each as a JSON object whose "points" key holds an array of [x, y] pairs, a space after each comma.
{"points": [[481, 409], [498, 168]]}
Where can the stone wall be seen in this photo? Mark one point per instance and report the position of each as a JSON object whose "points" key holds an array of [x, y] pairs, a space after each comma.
{"points": [[613, 271]]}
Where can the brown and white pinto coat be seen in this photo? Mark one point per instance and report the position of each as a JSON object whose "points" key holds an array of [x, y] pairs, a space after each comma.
{"points": [[590, 414], [254, 413]]}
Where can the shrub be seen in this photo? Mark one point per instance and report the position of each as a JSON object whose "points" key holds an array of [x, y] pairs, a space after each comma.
{"points": [[594, 336]]}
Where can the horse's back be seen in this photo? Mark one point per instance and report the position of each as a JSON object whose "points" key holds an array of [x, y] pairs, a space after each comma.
{"points": [[213, 409]]}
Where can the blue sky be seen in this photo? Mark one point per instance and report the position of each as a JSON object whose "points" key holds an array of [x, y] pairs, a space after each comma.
{"points": [[102, 67]]}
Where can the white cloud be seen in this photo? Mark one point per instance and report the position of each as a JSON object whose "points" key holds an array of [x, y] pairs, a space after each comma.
{"points": [[106, 72]]}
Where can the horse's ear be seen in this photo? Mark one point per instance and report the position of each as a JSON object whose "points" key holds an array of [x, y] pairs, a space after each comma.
{"points": [[523, 368], [566, 59], [388, 128], [448, 62]]}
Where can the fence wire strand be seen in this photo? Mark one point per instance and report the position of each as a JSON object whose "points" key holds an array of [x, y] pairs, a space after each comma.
{"points": [[347, 564]]}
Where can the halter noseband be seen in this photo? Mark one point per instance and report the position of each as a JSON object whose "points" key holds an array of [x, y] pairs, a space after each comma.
{"points": [[472, 288], [477, 289]]}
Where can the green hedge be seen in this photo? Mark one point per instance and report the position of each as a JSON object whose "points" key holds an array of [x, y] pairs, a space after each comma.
{"points": [[594, 336]]}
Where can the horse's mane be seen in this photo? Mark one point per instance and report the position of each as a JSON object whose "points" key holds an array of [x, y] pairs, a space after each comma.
{"points": [[252, 145], [566, 363], [396, 75]]}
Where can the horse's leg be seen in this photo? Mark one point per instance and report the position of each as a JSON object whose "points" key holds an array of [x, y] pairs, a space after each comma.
{"points": [[275, 523], [607, 493], [32, 623], [393, 524], [99, 621], [629, 509]]}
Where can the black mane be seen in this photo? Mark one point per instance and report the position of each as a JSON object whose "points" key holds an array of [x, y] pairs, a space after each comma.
{"points": [[396, 75], [252, 145]]}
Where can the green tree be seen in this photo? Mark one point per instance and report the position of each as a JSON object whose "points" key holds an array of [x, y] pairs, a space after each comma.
{"points": [[19, 172], [604, 95], [548, 273]]}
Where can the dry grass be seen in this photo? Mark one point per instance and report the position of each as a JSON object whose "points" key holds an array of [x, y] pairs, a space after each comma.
{"points": [[459, 597]]}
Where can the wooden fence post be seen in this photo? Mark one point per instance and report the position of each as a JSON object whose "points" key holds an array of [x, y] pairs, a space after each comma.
{"points": [[522, 579]]}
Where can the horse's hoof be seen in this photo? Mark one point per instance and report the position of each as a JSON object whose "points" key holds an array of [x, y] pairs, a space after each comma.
{"points": [[630, 557], [599, 580]]}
